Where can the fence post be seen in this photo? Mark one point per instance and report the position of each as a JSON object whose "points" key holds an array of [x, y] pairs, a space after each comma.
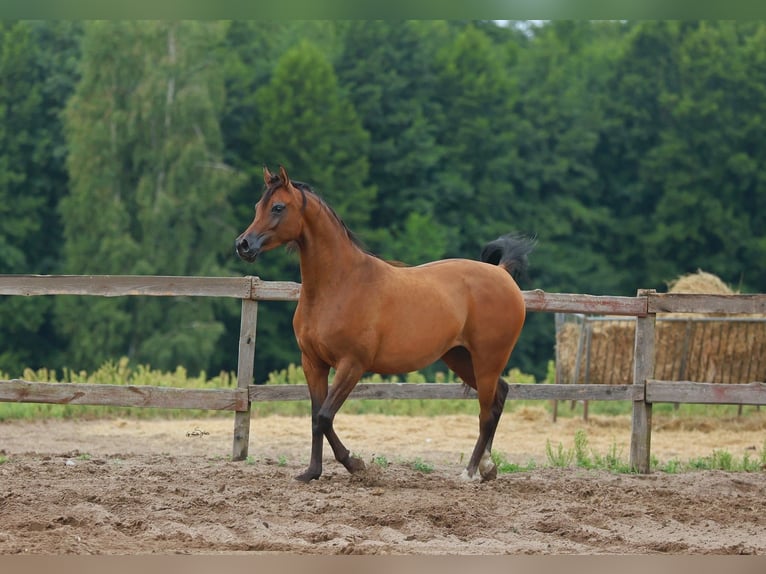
{"points": [[245, 367], [643, 369]]}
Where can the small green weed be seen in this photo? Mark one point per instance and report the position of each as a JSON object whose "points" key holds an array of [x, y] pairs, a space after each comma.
{"points": [[721, 460], [250, 460], [724, 460], [381, 461], [3, 459], [421, 466], [281, 460], [559, 458], [612, 460], [582, 458], [506, 467], [672, 466]]}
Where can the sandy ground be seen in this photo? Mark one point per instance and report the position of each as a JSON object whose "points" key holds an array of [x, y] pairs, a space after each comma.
{"points": [[159, 486]]}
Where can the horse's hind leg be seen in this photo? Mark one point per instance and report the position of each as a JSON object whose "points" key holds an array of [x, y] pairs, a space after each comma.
{"points": [[491, 402], [492, 391]]}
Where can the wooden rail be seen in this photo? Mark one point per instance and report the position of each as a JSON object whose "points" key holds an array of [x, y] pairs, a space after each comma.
{"points": [[455, 391], [644, 391], [20, 391]]}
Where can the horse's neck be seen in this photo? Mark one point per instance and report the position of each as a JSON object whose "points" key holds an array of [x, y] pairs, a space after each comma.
{"points": [[327, 254]]}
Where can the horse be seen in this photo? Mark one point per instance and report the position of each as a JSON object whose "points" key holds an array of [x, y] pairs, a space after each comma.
{"points": [[358, 313]]}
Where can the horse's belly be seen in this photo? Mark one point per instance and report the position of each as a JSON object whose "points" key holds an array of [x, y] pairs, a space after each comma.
{"points": [[412, 347], [391, 364]]}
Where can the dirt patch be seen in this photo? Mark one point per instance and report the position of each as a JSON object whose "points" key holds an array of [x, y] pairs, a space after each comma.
{"points": [[157, 486]]}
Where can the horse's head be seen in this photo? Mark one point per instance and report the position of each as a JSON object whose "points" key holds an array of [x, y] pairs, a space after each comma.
{"points": [[278, 217]]}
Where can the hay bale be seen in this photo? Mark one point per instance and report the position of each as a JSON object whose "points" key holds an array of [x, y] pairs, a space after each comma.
{"points": [[687, 346], [605, 347], [700, 283], [724, 351], [719, 351], [567, 345]]}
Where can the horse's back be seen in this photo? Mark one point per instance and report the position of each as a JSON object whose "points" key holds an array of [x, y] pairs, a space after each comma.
{"points": [[480, 279], [486, 293]]}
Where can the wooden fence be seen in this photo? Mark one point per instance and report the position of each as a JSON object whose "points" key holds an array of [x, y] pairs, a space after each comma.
{"points": [[643, 392]]}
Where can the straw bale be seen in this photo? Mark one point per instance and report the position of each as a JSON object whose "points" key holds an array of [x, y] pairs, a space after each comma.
{"points": [[690, 349], [607, 351], [700, 283]]}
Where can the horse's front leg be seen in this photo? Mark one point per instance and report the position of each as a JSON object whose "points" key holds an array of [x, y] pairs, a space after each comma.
{"points": [[316, 378], [347, 375]]}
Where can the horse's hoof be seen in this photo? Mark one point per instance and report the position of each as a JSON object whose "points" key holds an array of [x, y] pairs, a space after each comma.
{"points": [[468, 477], [308, 476], [488, 473], [487, 469], [354, 465]]}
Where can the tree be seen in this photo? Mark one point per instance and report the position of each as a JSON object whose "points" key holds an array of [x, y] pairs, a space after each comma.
{"points": [[307, 124], [708, 158], [558, 193], [149, 193], [644, 74], [476, 95], [388, 70], [37, 64]]}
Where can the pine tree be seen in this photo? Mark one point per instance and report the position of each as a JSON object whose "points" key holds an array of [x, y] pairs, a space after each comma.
{"points": [[307, 125], [475, 119], [37, 67], [149, 192], [388, 69]]}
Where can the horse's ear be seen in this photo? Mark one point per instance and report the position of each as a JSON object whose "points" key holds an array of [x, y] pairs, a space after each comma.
{"points": [[267, 177], [283, 176]]}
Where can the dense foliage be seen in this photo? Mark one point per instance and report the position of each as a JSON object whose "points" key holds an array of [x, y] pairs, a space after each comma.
{"points": [[633, 150]]}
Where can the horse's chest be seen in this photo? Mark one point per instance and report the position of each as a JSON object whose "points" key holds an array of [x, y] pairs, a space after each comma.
{"points": [[322, 328]]}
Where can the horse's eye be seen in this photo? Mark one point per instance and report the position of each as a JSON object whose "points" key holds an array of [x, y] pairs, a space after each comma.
{"points": [[277, 208]]}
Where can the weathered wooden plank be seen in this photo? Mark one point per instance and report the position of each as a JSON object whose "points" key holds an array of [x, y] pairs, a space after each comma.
{"points": [[245, 367], [275, 290], [643, 369], [705, 393], [576, 392], [693, 303], [120, 285], [20, 391], [538, 300], [456, 391]]}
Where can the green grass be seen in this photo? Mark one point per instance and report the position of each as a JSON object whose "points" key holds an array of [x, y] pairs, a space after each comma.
{"points": [[422, 466], [506, 467], [580, 455], [719, 460], [381, 461]]}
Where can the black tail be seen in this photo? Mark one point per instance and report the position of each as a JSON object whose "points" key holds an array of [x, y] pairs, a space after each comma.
{"points": [[510, 252]]}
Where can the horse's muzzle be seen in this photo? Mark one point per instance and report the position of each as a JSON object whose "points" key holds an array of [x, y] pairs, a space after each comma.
{"points": [[248, 247]]}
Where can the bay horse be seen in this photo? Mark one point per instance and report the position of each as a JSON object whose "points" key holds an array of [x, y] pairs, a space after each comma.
{"points": [[357, 313]]}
